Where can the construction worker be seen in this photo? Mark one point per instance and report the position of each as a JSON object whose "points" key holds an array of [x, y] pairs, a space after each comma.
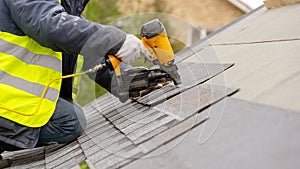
{"points": [[39, 41]]}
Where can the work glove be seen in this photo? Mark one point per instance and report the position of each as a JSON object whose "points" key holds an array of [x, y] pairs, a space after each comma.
{"points": [[131, 50]]}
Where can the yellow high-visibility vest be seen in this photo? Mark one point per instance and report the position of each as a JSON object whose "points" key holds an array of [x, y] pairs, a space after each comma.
{"points": [[26, 68]]}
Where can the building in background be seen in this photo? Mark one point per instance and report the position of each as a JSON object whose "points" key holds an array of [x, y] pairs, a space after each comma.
{"points": [[204, 16]]}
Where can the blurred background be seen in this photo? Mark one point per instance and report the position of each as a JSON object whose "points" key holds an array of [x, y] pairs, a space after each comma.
{"points": [[186, 22]]}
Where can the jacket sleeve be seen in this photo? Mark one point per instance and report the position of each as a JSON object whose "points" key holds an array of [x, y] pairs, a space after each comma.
{"points": [[47, 22]]}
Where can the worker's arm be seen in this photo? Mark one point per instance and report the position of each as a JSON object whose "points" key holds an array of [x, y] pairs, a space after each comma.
{"points": [[46, 22]]}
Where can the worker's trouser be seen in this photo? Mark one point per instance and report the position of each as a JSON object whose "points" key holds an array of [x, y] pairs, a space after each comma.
{"points": [[66, 124]]}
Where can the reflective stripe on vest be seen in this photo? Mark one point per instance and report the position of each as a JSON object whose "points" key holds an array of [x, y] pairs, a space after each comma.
{"points": [[26, 68], [76, 82]]}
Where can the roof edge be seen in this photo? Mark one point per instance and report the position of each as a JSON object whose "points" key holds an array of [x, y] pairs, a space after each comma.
{"points": [[241, 5], [190, 50]]}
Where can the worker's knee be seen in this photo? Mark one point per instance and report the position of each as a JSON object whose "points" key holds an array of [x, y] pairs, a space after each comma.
{"points": [[80, 118], [67, 123]]}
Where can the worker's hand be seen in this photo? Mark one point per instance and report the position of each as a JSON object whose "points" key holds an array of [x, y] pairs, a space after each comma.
{"points": [[132, 49]]}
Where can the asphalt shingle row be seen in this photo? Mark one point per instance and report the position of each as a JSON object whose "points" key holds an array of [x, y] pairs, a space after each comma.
{"points": [[192, 74]]}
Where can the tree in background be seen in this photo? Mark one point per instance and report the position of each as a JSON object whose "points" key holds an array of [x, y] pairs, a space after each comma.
{"points": [[102, 11]]}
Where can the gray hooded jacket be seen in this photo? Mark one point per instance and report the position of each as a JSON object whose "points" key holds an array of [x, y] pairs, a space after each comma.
{"points": [[59, 27]]}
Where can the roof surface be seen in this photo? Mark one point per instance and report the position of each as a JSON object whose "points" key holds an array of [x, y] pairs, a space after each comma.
{"points": [[206, 121], [265, 49]]}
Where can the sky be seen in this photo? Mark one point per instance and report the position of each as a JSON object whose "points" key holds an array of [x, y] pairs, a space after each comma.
{"points": [[254, 3]]}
